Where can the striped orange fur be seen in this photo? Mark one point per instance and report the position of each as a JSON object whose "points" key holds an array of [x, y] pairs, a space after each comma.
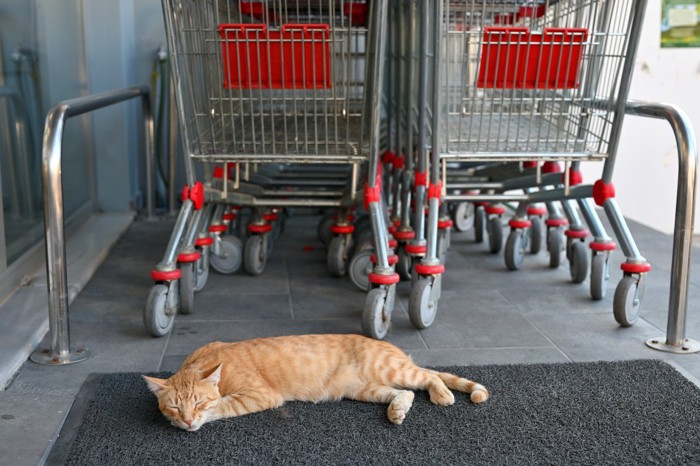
{"points": [[221, 380]]}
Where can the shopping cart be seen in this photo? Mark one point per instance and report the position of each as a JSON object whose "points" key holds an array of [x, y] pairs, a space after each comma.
{"points": [[273, 98], [524, 87]]}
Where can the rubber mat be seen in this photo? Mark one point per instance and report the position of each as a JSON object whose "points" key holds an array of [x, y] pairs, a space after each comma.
{"points": [[631, 412]]}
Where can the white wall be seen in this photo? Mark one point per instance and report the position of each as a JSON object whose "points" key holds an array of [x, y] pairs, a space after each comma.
{"points": [[646, 170]]}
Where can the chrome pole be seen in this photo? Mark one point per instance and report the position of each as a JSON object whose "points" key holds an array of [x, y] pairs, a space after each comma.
{"points": [[172, 152], [676, 341], [60, 351]]}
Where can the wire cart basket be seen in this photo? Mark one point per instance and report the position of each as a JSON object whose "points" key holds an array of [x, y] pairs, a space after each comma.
{"points": [[523, 87], [273, 98]]}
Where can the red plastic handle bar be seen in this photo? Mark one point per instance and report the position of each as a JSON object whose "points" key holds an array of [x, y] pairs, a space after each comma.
{"points": [[306, 28], [226, 29]]}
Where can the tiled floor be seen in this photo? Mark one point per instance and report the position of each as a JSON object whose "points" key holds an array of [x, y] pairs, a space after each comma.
{"points": [[487, 315]]}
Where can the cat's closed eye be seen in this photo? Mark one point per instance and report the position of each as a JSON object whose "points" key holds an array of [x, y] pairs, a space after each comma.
{"points": [[204, 404]]}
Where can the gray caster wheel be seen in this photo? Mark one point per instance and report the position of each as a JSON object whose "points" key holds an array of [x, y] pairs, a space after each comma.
{"points": [[403, 267], [363, 245], [578, 262], [363, 235], [479, 224], [187, 281], [201, 270], [229, 258], [376, 316], [536, 233], [360, 267], [324, 229], [627, 302], [234, 228], [269, 244], [515, 249], [443, 244], [555, 245], [599, 276], [255, 254], [463, 216], [159, 313], [495, 235], [339, 250], [422, 308], [278, 225], [363, 223]]}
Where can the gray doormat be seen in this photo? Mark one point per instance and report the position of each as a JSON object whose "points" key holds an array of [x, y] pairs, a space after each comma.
{"points": [[633, 412]]}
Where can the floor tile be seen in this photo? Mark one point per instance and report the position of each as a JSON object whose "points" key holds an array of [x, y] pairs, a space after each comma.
{"points": [[28, 426]]}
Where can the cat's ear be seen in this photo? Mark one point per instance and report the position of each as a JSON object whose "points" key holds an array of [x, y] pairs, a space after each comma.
{"points": [[215, 377], [155, 384]]}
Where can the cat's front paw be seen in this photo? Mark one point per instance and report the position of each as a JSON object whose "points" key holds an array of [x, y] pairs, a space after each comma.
{"points": [[399, 407], [396, 413]]}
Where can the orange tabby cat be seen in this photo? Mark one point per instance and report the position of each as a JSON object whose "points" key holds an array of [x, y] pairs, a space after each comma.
{"points": [[223, 380]]}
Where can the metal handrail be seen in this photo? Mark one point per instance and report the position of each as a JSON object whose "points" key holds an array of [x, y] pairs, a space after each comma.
{"points": [[676, 341], [60, 351]]}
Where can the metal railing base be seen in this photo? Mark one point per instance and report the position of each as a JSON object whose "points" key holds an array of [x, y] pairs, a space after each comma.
{"points": [[47, 358], [687, 346]]}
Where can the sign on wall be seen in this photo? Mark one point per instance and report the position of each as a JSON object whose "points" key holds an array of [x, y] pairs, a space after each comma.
{"points": [[679, 23]]}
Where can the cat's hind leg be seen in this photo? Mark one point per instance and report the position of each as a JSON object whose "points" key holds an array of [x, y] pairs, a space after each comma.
{"points": [[417, 378], [477, 392], [400, 401]]}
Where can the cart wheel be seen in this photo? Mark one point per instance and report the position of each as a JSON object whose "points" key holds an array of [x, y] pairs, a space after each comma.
{"points": [[495, 235], [187, 288], [324, 229], [375, 318], [578, 262], [201, 270], [234, 228], [415, 260], [627, 302], [254, 255], [269, 244], [421, 308], [599, 276], [555, 244], [463, 216], [230, 258], [360, 267], [403, 267], [479, 224], [155, 316], [443, 243], [279, 224], [515, 249], [536, 230], [366, 243], [338, 252]]}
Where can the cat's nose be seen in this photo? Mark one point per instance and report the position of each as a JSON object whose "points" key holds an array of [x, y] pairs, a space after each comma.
{"points": [[188, 422]]}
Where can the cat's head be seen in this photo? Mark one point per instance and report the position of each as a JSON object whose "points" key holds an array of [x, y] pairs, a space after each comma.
{"points": [[185, 401]]}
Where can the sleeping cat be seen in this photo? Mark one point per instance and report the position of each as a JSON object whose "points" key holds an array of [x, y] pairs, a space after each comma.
{"points": [[222, 380]]}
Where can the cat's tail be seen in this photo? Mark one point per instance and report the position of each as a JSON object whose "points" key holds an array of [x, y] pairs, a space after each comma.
{"points": [[477, 392]]}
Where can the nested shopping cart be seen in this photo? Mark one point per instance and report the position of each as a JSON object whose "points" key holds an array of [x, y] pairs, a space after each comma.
{"points": [[525, 87], [275, 100]]}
